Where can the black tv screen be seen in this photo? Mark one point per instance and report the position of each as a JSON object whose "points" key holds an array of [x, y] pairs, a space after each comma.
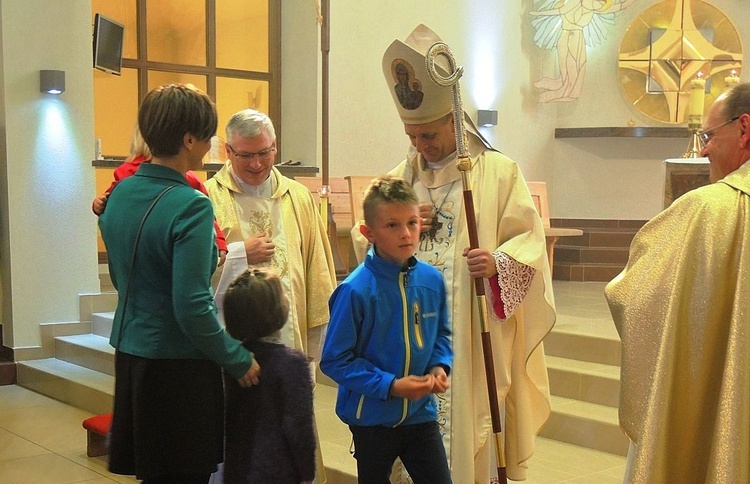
{"points": [[108, 40]]}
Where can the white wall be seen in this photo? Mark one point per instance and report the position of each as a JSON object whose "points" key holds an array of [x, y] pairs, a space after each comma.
{"points": [[300, 83], [48, 231], [594, 178]]}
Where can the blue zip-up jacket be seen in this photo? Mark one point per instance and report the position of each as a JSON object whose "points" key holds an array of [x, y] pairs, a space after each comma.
{"points": [[386, 322]]}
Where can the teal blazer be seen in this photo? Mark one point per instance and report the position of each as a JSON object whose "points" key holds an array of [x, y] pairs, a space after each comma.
{"points": [[170, 308]]}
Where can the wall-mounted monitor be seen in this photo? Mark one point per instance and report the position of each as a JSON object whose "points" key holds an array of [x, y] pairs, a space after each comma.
{"points": [[108, 41]]}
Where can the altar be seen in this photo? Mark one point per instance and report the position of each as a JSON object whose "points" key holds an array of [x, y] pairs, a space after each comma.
{"points": [[682, 175]]}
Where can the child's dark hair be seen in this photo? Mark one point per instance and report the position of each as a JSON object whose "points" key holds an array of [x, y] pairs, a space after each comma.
{"points": [[386, 189], [255, 306]]}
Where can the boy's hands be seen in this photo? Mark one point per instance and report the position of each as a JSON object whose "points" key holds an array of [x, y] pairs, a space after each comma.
{"points": [[442, 381], [415, 387], [412, 387]]}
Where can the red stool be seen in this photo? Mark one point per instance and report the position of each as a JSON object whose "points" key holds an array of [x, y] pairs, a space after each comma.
{"points": [[97, 428]]}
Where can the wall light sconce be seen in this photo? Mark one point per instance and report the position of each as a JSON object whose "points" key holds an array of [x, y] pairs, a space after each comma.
{"points": [[52, 82], [486, 117]]}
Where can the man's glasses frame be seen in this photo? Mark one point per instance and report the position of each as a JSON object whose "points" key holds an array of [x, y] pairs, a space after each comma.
{"points": [[264, 154], [705, 135]]}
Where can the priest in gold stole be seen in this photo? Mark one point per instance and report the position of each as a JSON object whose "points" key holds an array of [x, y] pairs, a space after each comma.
{"points": [[271, 222], [682, 308], [511, 258]]}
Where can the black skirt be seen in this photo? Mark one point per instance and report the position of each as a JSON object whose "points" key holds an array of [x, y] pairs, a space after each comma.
{"points": [[168, 417]]}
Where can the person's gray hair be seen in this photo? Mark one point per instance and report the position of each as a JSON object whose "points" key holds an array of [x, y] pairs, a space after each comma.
{"points": [[737, 100], [249, 123]]}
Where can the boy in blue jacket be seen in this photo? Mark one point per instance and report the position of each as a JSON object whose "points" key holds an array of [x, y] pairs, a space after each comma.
{"points": [[389, 344]]}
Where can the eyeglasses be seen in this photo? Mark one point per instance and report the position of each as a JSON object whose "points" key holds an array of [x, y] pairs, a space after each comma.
{"points": [[262, 154], [705, 135]]}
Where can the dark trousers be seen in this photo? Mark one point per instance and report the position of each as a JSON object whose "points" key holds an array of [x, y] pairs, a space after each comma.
{"points": [[419, 446]]}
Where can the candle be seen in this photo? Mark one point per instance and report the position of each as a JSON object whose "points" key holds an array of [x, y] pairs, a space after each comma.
{"points": [[324, 192], [697, 95], [732, 79]]}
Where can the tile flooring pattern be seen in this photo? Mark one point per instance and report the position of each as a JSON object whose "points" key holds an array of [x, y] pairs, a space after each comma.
{"points": [[42, 441]]}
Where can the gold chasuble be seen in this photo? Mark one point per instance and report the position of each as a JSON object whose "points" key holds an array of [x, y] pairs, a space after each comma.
{"points": [[309, 264], [681, 307]]}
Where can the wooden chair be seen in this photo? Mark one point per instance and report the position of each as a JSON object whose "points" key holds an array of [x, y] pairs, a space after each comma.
{"points": [[538, 192]]}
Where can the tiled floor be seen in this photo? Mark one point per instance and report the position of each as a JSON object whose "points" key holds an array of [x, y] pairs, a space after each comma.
{"points": [[42, 441]]}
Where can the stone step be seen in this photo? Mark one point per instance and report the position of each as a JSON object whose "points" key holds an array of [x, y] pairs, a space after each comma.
{"points": [[585, 424], [81, 387], [580, 380], [583, 347], [87, 350], [101, 323]]}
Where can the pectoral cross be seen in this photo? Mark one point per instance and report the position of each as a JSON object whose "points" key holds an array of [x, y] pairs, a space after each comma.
{"points": [[435, 225]]}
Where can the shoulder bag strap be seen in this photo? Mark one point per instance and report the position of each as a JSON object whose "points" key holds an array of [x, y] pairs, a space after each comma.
{"points": [[132, 260]]}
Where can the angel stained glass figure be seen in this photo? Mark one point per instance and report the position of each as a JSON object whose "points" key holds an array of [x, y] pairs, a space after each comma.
{"points": [[569, 26]]}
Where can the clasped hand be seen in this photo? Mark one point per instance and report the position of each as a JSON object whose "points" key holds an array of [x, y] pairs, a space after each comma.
{"points": [[259, 248], [415, 387], [426, 213]]}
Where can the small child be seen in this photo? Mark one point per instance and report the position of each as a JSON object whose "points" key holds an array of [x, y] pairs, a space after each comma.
{"points": [[269, 427], [141, 153], [389, 344]]}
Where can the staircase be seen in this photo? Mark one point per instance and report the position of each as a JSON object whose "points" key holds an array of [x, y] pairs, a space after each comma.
{"points": [[583, 372], [596, 256], [583, 357]]}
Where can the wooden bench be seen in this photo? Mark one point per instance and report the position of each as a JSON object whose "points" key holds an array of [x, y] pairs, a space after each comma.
{"points": [[338, 199], [340, 216], [97, 428], [538, 192]]}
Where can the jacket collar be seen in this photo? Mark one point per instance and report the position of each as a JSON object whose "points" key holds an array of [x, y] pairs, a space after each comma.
{"points": [[159, 171], [224, 178], [382, 267]]}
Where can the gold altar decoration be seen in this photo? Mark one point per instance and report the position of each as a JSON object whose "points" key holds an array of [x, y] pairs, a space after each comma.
{"points": [[664, 49]]}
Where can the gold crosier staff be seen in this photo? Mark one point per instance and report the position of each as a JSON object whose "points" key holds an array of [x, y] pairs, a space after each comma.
{"points": [[464, 165]]}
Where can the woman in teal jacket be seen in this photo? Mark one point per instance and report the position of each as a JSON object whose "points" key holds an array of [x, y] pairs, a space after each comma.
{"points": [[168, 413]]}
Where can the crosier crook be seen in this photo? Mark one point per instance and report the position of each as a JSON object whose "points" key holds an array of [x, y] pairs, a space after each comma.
{"points": [[464, 165]]}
